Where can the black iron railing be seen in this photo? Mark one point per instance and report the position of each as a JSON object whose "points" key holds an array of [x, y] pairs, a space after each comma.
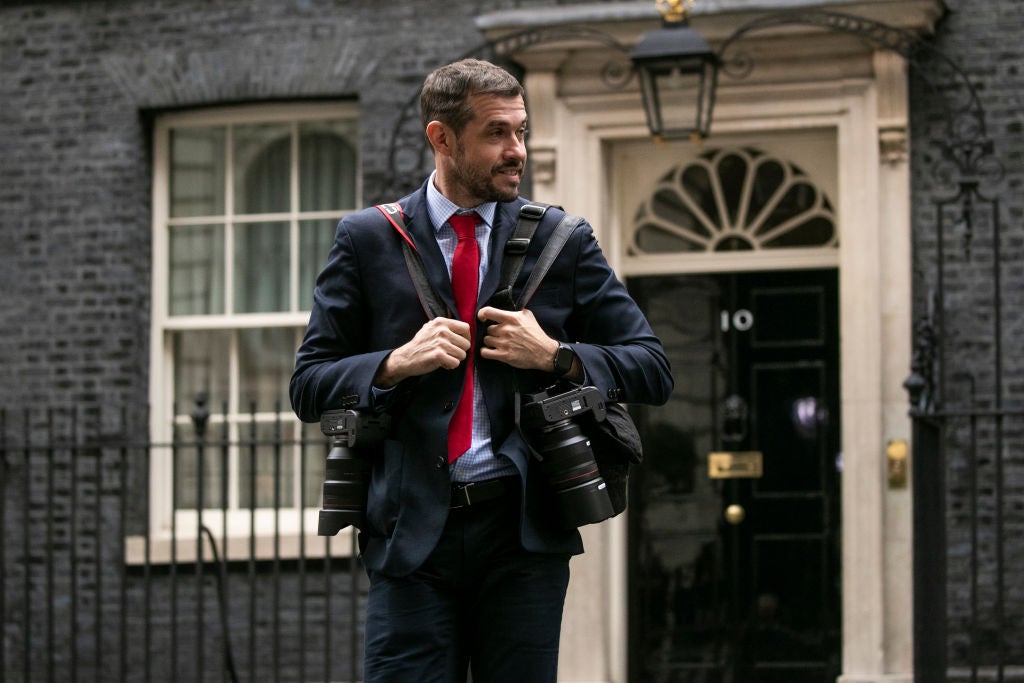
{"points": [[107, 575], [968, 430]]}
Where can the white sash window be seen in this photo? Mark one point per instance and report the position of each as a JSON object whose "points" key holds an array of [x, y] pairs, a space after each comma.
{"points": [[245, 204]]}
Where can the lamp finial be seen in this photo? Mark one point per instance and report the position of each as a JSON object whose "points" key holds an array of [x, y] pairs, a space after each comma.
{"points": [[674, 11]]}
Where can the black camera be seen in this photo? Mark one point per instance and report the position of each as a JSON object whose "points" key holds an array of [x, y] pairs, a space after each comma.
{"points": [[566, 457], [347, 471]]}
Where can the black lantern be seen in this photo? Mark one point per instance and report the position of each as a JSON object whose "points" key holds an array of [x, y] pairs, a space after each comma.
{"points": [[678, 75]]}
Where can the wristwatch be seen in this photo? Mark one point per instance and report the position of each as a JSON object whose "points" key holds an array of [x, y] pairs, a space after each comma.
{"points": [[564, 357]]}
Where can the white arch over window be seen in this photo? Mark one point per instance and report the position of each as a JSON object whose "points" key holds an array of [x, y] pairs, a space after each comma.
{"points": [[733, 199]]}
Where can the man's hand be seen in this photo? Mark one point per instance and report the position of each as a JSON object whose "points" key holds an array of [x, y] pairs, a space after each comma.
{"points": [[441, 343], [516, 338]]}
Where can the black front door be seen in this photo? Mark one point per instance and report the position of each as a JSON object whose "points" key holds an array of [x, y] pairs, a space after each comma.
{"points": [[734, 515]]}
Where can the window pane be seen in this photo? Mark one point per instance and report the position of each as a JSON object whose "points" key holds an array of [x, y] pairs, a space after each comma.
{"points": [[197, 172], [200, 365], [327, 165], [196, 270], [186, 469], [272, 465], [315, 240], [261, 267], [265, 360], [262, 164]]}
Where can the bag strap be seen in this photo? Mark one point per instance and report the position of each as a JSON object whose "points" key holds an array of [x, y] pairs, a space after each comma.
{"points": [[558, 238], [429, 300], [530, 216]]}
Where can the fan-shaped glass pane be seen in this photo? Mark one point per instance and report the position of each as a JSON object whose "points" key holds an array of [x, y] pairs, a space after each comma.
{"points": [[652, 240], [766, 182], [797, 199], [732, 175], [669, 207], [697, 183], [734, 244], [816, 230]]}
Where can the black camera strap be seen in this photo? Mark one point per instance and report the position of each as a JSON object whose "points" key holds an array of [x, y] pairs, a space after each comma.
{"points": [[429, 300]]}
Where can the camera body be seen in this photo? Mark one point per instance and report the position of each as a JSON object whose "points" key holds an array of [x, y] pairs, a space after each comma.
{"points": [[551, 422], [347, 470]]}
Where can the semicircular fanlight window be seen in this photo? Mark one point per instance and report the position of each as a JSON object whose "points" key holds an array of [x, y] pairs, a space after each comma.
{"points": [[733, 200]]}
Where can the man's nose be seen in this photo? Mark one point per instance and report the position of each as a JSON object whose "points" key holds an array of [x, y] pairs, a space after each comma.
{"points": [[516, 148]]}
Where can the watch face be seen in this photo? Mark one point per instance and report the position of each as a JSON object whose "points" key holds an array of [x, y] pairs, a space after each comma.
{"points": [[563, 359]]}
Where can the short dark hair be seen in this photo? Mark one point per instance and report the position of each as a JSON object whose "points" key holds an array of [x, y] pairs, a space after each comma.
{"points": [[446, 91]]}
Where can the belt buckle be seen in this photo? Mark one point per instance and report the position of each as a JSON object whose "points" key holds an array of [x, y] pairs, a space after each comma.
{"points": [[464, 499]]}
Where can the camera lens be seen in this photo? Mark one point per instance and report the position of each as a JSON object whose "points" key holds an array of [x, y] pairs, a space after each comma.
{"points": [[346, 478], [572, 473]]}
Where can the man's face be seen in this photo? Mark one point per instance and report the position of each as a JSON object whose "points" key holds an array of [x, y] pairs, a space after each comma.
{"points": [[490, 154]]}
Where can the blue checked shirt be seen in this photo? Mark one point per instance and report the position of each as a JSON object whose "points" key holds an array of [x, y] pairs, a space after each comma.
{"points": [[479, 462]]}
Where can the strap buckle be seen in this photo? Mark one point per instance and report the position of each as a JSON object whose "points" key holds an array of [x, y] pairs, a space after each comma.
{"points": [[502, 299], [534, 211], [517, 245]]}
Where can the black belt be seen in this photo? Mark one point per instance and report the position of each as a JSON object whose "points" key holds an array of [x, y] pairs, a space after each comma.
{"points": [[474, 493]]}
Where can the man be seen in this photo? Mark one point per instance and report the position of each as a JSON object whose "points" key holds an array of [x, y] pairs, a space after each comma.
{"points": [[468, 564]]}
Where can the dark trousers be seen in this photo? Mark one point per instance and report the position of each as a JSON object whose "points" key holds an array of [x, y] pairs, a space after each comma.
{"points": [[479, 601]]}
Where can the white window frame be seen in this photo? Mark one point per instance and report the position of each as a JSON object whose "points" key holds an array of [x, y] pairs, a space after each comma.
{"points": [[184, 524]]}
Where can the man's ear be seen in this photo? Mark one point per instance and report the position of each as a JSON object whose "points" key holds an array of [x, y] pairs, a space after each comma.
{"points": [[441, 138]]}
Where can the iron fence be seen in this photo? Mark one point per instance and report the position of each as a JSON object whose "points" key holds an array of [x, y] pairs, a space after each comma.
{"points": [[968, 433], [120, 560]]}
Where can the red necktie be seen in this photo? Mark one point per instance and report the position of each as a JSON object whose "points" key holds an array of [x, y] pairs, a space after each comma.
{"points": [[465, 273]]}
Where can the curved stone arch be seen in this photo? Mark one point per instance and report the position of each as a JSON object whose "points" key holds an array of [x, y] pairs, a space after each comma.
{"points": [[733, 199]]}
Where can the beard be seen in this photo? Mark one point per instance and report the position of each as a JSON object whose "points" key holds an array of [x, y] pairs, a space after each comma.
{"points": [[481, 184]]}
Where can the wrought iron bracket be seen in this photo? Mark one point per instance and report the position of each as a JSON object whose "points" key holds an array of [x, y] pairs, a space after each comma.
{"points": [[964, 141]]}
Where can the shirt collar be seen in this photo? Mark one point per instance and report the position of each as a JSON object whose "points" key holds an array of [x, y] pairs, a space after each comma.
{"points": [[441, 208]]}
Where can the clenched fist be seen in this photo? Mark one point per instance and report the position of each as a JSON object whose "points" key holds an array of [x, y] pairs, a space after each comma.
{"points": [[516, 338], [440, 343]]}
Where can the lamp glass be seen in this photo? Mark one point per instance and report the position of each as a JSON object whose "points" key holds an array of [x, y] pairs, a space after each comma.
{"points": [[678, 75], [677, 95]]}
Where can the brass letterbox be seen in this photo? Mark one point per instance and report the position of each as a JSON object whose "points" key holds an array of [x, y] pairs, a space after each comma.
{"points": [[735, 465]]}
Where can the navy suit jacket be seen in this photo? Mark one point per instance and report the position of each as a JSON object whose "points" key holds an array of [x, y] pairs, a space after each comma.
{"points": [[364, 305]]}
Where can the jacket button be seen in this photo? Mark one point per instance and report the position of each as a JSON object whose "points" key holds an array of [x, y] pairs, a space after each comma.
{"points": [[614, 394], [441, 461], [449, 405]]}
